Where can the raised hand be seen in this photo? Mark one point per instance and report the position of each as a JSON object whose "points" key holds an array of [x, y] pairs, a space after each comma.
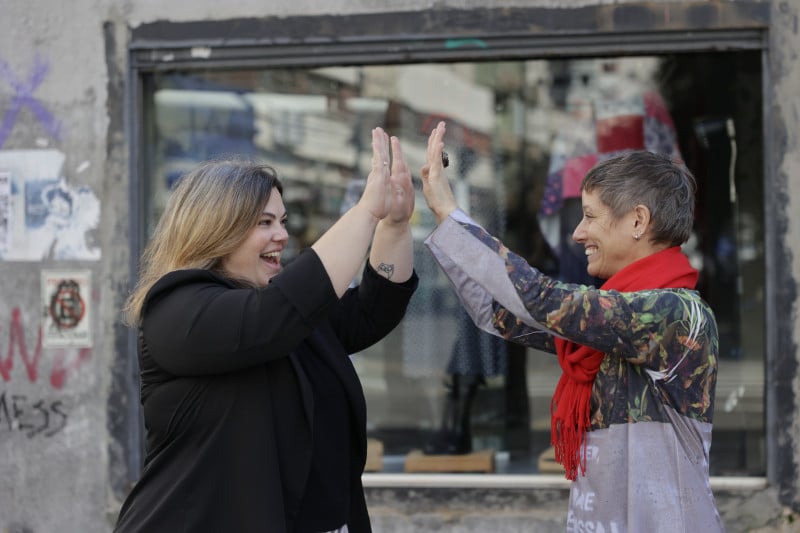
{"points": [[392, 250], [435, 186], [377, 195], [402, 190]]}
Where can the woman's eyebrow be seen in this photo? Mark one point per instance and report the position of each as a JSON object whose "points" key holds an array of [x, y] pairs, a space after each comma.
{"points": [[270, 214]]}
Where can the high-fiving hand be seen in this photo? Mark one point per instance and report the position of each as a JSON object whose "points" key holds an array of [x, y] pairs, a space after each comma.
{"points": [[402, 190], [389, 193], [435, 186]]}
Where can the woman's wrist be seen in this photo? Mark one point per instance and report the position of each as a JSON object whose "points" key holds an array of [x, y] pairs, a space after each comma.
{"points": [[442, 214], [366, 213], [396, 227]]}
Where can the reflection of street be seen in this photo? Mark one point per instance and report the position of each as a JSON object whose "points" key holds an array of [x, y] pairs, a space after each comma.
{"points": [[428, 338], [405, 393], [520, 137], [400, 404]]}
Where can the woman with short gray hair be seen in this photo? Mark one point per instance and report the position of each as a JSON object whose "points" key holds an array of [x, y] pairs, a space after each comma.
{"points": [[631, 414]]}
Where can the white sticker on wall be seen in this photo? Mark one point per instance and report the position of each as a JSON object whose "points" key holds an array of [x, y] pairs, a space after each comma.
{"points": [[66, 303], [48, 218]]}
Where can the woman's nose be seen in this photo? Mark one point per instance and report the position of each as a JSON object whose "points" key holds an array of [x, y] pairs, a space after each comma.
{"points": [[282, 235], [578, 235]]}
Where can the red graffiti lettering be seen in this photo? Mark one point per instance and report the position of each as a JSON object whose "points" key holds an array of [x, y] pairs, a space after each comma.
{"points": [[16, 339], [59, 373], [16, 336]]}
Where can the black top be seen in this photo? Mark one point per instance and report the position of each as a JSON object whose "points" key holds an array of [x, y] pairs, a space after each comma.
{"points": [[228, 409], [326, 501]]}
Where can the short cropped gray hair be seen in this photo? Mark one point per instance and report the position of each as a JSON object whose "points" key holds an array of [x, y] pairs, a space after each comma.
{"points": [[665, 187]]}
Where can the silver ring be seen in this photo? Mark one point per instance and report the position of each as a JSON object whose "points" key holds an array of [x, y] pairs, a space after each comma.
{"points": [[386, 163]]}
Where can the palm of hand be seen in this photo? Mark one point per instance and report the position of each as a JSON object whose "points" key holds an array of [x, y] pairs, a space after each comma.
{"points": [[436, 190], [402, 198]]}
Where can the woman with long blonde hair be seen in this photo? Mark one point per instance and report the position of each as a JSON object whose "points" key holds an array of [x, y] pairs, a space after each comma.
{"points": [[255, 417]]}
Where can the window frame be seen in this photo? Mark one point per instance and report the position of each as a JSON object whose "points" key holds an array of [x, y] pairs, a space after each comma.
{"points": [[379, 38]]}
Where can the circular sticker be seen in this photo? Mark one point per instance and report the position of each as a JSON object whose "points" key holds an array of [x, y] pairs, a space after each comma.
{"points": [[66, 305]]}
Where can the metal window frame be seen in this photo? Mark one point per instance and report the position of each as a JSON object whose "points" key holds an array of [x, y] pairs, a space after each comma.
{"points": [[189, 46], [158, 55]]}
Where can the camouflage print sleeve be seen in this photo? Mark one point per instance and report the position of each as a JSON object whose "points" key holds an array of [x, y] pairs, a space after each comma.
{"points": [[657, 328], [514, 330]]}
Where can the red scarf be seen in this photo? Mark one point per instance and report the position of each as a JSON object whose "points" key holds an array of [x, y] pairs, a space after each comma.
{"points": [[569, 408]]}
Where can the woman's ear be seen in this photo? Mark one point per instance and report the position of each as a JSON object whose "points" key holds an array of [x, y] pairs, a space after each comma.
{"points": [[641, 219]]}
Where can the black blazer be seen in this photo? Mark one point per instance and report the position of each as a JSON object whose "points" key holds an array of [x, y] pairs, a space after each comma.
{"points": [[228, 409]]}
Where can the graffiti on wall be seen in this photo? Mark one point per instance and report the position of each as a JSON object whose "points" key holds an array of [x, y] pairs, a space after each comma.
{"points": [[23, 97], [45, 218], [35, 413], [42, 216]]}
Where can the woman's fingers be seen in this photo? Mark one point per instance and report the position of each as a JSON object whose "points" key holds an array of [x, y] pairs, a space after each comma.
{"points": [[433, 157], [430, 145], [399, 165], [380, 150], [435, 187], [402, 187], [377, 192]]}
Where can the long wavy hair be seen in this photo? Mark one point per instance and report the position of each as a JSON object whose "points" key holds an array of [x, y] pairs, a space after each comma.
{"points": [[208, 215]]}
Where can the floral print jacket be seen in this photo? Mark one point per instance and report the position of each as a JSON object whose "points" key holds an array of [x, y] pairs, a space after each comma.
{"points": [[652, 399]]}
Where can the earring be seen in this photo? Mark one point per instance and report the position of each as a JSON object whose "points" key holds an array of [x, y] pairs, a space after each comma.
{"points": [[637, 235]]}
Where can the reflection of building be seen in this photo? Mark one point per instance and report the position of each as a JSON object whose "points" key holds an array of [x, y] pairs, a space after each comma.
{"points": [[517, 134], [319, 143]]}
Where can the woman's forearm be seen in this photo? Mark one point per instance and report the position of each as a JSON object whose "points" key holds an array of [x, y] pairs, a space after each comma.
{"points": [[392, 253], [344, 246]]}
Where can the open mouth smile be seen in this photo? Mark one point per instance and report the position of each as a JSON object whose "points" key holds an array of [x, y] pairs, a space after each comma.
{"points": [[273, 258]]}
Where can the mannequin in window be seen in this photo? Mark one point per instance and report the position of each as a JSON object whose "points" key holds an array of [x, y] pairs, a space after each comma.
{"points": [[609, 113], [475, 355]]}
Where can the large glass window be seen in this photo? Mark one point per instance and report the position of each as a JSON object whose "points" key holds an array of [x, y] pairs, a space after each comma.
{"points": [[520, 136]]}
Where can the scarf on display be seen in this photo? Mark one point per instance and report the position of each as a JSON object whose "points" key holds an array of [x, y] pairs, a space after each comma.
{"points": [[570, 406]]}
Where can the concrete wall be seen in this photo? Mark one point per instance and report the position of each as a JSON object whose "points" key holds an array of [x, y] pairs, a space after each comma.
{"points": [[783, 130], [66, 450], [55, 135]]}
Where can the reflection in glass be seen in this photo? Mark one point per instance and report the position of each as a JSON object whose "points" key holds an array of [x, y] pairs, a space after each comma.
{"points": [[521, 134]]}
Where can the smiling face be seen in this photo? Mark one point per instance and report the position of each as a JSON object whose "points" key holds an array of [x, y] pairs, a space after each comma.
{"points": [[608, 242], [258, 257]]}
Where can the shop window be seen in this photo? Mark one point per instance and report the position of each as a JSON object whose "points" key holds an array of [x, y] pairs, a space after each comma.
{"points": [[520, 136]]}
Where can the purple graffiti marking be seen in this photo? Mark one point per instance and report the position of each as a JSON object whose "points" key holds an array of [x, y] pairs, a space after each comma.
{"points": [[24, 97]]}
